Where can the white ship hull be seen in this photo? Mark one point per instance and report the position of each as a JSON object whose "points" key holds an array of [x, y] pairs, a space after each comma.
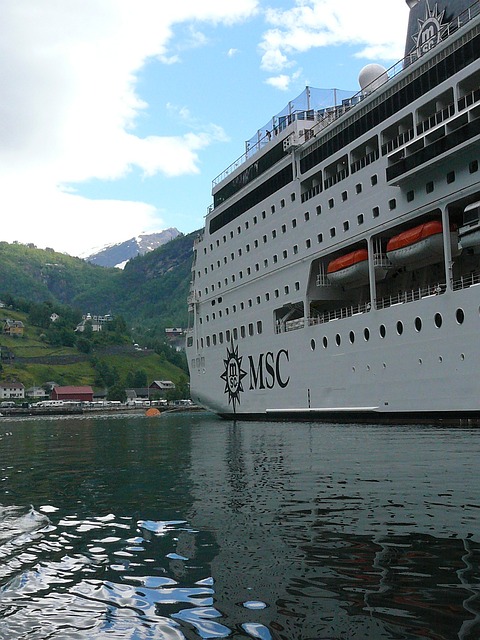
{"points": [[271, 336]]}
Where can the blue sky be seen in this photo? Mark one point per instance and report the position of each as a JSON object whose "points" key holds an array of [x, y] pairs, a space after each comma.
{"points": [[117, 114]]}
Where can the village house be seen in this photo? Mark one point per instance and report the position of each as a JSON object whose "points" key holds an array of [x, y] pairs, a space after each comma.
{"points": [[160, 387], [36, 392], [80, 394], [13, 327], [97, 322], [12, 390]]}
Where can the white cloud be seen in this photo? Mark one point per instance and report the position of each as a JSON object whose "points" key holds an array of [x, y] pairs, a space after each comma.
{"points": [[68, 73], [281, 82], [377, 26]]}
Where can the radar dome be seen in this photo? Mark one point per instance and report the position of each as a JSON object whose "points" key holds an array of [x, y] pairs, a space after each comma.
{"points": [[371, 77]]}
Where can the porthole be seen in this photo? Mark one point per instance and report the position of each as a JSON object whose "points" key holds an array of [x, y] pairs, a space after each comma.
{"points": [[462, 356], [351, 337], [338, 339], [399, 327], [382, 330], [420, 361], [312, 345], [460, 316], [438, 320], [368, 367], [366, 334], [325, 342], [418, 324], [440, 359]]}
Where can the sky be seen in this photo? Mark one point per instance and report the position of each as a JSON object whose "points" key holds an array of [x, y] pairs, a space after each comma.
{"points": [[116, 115]]}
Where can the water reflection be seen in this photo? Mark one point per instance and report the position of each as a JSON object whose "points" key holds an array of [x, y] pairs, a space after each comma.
{"points": [[190, 527]]}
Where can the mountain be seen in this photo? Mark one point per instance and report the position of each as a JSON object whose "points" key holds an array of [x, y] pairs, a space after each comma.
{"points": [[117, 255], [150, 293]]}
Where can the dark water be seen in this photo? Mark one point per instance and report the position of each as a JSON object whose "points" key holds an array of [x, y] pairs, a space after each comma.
{"points": [[186, 526]]}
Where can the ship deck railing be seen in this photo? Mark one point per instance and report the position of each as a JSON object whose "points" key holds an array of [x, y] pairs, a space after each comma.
{"points": [[410, 296], [466, 281], [325, 117]]}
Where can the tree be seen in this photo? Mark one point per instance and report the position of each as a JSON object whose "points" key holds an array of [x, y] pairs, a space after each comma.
{"points": [[117, 392]]}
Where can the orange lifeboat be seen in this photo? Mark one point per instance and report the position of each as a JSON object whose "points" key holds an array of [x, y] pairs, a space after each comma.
{"points": [[350, 268], [419, 246]]}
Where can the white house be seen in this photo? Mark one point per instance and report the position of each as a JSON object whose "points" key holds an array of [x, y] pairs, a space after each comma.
{"points": [[12, 390]]}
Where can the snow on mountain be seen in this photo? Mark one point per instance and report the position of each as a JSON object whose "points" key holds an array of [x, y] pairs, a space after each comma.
{"points": [[117, 255]]}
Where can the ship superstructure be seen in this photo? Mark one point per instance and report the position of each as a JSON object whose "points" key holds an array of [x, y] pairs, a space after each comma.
{"points": [[338, 274]]}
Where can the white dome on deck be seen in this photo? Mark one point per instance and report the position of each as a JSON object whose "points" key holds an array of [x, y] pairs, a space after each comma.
{"points": [[371, 77]]}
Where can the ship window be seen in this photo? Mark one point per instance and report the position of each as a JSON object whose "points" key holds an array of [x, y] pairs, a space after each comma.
{"points": [[338, 339], [214, 339], [258, 299], [306, 215], [287, 289], [211, 247], [272, 209], [249, 271], [284, 228], [460, 316], [308, 243], [220, 337], [438, 320], [257, 266], [246, 224], [275, 259], [346, 225], [224, 238], [239, 230], [292, 197], [227, 335], [234, 308], [254, 219], [333, 232], [410, 195], [344, 196], [473, 166], [392, 204], [297, 286], [259, 326], [382, 331], [294, 223], [375, 212], [208, 341], [429, 187], [374, 179], [319, 209], [282, 203], [331, 203], [450, 177], [325, 342], [265, 263], [247, 248], [255, 244], [264, 238], [250, 329], [358, 188], [276, 293], [418, 324], [232, 256], [399, 328], [201, 342], [231, 234], [274, 233], [295, 249], [285, 254], [239, 253], [250, 302], [242, 306], [233, 277], [360, 218], [267, 296], [320, 237], [351, 337], [366, 334], [235, 333], [312, 345], [242, 331]]}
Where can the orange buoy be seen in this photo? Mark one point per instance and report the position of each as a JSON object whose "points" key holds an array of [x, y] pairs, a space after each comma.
{"points": [[152, 412]]}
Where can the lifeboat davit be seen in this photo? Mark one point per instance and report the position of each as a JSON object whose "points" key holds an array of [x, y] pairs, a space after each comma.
{"points": [[420, 245], [352, 268]]}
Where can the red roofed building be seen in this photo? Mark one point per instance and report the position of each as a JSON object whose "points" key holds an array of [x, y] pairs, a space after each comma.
{"points": [[82, 394]]}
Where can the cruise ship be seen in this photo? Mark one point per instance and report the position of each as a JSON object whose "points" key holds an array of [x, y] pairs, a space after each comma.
{"points": [[338, 273]]}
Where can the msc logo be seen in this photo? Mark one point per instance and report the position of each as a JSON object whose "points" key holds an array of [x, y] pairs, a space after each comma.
{"points": [[266, 372], [430, 31]]}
